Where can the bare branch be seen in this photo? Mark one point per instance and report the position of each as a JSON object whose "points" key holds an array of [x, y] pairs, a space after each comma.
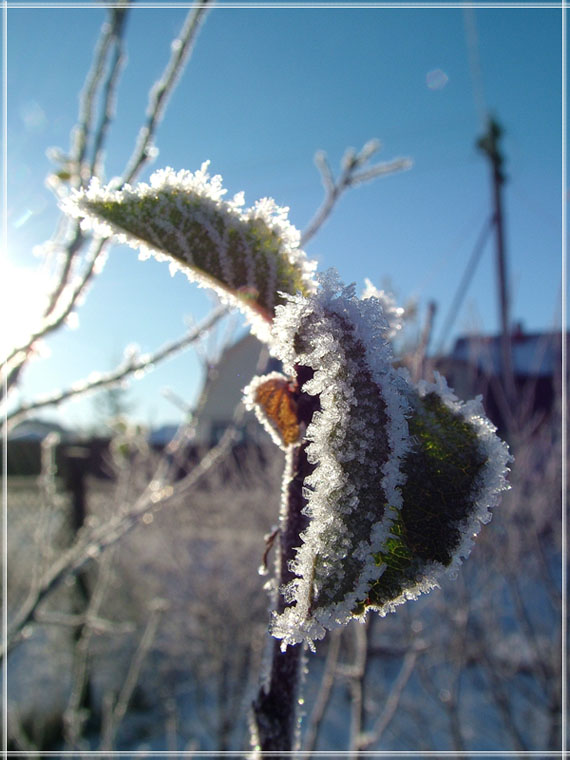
{"points": [[325, 691], [77, 172], [109, 90], [74, 165], [71, 249], [162, 89], [324, 167], [418, 357], [134, 364], [116, 716], [382, 170], [74, 716], [19, 355], [357, 675], [98, 625], [109, 33], [371, 738], [350, 176]]}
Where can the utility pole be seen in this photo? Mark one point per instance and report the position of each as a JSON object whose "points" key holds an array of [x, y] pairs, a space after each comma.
{"points": [[489, 145]]}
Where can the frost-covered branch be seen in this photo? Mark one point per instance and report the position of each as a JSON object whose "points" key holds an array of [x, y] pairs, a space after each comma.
{"points": [[84, 161], [356, 677], [276, 706], [109, 92], [93, 265], [99, 626], [74, 716], [110, 38], [74, 168], [371, 738], [161, 91], [325, 693], [353, 173], [133, 365]]}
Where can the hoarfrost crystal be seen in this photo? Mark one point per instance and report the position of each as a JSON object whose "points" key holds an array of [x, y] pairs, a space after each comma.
{"points": [[403, 475], [356, 441], [250, 257]]}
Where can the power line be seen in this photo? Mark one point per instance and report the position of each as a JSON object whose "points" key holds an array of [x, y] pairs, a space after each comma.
{"points": [[465, 281]]}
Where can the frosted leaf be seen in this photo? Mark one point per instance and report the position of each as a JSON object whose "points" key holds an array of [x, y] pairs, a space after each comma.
{"points": [[273, 401], [356, 441], [250, 257], [403, 475], [455, 472]]}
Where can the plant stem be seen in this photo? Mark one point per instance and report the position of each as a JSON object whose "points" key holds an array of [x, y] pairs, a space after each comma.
{"points": [[276, 706]]}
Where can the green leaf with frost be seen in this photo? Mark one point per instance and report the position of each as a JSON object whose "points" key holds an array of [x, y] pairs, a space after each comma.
{"points": [[251, 257], [443, 500], [404, 475]]}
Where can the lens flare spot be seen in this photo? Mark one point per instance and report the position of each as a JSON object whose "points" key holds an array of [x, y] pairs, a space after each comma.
{"points": [[436, 79]]}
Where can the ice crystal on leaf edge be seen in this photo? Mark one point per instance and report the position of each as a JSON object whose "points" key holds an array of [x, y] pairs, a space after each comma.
{"points": [[249, 257]]}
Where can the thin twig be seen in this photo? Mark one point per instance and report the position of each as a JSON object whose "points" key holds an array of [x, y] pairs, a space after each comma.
{"points": [[351, 175], [109, 89], [419, 354], [116, 716], [325, 692], [94, 78], [74, 717], [133, 365], [110, 32], [74, 244], [20, 354], [372, 737], [163, 88], [97, 624], [357, 677]]}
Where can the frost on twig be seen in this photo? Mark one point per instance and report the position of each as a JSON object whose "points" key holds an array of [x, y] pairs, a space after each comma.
{"points": [[353, 173], [97, 539], [159, 95], [249, 257], [133, 365], [84, 159]]}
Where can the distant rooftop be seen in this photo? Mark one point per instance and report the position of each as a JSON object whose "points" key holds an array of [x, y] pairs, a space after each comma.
{"points": [[534, 354], [36, 430]]}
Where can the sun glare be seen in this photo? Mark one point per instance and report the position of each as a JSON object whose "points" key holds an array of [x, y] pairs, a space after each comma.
{"points": [[23, 298]]}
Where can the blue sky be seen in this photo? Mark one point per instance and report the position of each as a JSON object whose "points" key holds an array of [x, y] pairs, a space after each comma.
{"points": [[264, 90]]}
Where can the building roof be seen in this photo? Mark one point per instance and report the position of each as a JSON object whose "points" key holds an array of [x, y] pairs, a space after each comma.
{"points": [[534, 354], [237, 365], [37, 430]]}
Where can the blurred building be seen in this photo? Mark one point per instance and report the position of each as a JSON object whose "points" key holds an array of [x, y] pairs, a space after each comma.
{"points": [[474, 367], [222, 391]]}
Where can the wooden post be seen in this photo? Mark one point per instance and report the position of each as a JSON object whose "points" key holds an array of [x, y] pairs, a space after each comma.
{"points": [[76, 469], [489, 145]]}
